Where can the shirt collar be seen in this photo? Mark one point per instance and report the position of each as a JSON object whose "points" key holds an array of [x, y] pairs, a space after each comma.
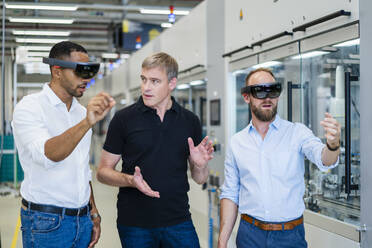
{"points": [[54, 99], [275, 124], [143, 108]]}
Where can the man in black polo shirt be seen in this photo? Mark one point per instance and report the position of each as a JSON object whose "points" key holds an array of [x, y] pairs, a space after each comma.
{"points": [[154, 138]]}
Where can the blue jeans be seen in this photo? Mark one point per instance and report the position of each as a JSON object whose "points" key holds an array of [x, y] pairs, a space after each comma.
{"points": [[250, 236], [41, 230], [180, 236]]}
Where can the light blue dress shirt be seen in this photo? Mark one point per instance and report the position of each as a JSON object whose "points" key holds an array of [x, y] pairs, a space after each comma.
{"points": [[265, 177]]}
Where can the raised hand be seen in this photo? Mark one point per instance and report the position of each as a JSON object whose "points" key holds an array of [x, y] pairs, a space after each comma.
{"points": [[98, 107], [141, 185], [332, 130], [201, 154]]}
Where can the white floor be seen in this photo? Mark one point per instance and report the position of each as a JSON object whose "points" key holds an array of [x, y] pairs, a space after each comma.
{"points": [[105, 197]]}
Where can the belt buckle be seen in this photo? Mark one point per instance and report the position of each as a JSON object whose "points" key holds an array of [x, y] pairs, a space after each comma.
{"points": [[78, 212]]}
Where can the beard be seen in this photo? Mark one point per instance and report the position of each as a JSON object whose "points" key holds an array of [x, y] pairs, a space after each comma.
{"points": [[264, 115]]}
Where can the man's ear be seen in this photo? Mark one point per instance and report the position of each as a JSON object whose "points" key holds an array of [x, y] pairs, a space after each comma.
{"points": [[56, 73], [172, 83], [246, 98]]}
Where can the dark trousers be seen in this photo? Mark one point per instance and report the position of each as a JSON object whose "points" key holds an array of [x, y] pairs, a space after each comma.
{"points": [[178, 236], [250, 236]]}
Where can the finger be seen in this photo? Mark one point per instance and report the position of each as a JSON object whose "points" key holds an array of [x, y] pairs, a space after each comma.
{"points": [[331, 131], [148, 191], [328, 125], [94, 239], [191, 143], [209, 145], [204, 141], [137, 171], [330, 120], [330, 137]]}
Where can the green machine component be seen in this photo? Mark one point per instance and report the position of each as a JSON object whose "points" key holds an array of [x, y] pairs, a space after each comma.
{"points": [[8, 171]]}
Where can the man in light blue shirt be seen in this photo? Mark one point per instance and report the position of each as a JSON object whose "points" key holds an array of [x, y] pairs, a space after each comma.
{"points": [[264, 170]]}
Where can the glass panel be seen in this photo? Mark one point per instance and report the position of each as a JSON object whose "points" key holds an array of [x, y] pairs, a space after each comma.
{"points": [[192, 96], [325, 71]]}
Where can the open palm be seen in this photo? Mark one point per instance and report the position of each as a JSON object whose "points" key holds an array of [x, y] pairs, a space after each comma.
{"points": [[201, 154]]}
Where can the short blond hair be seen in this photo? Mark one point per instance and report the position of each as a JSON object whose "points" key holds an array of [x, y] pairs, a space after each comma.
{"points": [[162, 60], [268, 70]]}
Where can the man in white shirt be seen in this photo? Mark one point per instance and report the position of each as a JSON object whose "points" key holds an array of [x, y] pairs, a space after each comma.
{"points": [[264, 170], [52, 132]]}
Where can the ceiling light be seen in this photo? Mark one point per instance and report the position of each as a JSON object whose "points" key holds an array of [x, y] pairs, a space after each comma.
{"points": [[163, 12], [166, 25], [110, 55], [183, 87], [348, 43], [41, 20], [197, 82], [36, 48], [124, 56], [41, 32], [36, 40], [309, 55], [267, 64], [41, 6]]}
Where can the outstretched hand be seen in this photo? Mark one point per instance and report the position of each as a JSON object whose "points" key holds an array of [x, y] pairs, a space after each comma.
{"points": [[141, 185], [332, 130], [201, 154]]}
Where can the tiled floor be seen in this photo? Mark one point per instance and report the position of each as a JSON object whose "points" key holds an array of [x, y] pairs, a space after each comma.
{"points": [[105, 197]]}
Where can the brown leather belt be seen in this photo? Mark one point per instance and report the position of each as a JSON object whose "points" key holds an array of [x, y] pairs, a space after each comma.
{"points": [[273, 226]]}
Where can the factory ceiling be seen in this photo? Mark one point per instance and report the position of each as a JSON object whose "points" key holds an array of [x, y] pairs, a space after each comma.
{"points": [[92, 24]]}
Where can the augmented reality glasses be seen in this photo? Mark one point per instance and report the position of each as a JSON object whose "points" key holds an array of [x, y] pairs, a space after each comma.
{"points": [[83, 70], [262, 91]]}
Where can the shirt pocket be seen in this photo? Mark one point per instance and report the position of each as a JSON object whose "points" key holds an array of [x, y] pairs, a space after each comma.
{"points": [[284, 164]]}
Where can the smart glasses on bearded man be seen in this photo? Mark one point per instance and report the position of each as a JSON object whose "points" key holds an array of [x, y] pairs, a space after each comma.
{"points": [[262, 91], [83, 70]]}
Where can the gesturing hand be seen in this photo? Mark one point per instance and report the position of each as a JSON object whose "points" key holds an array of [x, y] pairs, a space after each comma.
{"points": [[332, 130], [98, 107], [201, 154], [141, 185]]}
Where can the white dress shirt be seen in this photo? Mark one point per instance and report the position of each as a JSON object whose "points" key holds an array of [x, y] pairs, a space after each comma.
{"points": [[37, 118], [265, 177]]}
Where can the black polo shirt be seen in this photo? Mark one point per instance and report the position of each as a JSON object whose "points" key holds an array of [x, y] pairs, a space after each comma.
{"points": [[161, 151]]}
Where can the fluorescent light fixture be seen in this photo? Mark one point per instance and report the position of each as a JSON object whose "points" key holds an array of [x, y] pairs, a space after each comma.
{"points": [[309, 55], [183, 87], [197, 82], [41, 6], [34, 59], [36, 48], [124, 56], [36, 40], [41, 32], [110, 55], [163, 12], [41, 20], [166, 25], [267, 64], [348, 43], [38, 54]]}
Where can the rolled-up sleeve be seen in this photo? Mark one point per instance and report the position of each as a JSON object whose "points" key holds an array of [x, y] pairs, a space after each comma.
{"points": [[30, 133], [312, 147], [231, 185]]}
